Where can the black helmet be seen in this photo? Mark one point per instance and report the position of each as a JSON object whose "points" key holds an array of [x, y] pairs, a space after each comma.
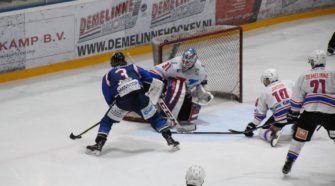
{"points": [[118, 59]]}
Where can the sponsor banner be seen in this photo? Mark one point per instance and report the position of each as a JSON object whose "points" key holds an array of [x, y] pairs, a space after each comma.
{"points": [[132, 23], [35, 39], [118, 42], [274, 8], [107, 18], [167, 11], [236, 12], [79, 30], [12, 57]]}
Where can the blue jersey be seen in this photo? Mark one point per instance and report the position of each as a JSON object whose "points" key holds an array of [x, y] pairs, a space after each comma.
{"points": [[122, 80]]}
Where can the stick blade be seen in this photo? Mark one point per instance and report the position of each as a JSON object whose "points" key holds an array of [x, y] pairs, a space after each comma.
{"points": [[73, 137], [235, 131]]}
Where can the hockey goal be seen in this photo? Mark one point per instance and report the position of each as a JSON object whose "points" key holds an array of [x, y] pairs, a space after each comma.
{"points": [[220, 50]]}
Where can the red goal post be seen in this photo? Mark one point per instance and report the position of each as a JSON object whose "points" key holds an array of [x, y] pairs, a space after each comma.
{"points": [[219, 49]]}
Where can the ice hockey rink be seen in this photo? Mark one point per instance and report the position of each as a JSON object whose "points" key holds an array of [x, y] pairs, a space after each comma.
{"points": [[38, 114]]}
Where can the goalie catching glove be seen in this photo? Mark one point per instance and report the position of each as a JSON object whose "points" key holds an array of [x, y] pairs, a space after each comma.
{"points": [[155, 90], [201, 96]]}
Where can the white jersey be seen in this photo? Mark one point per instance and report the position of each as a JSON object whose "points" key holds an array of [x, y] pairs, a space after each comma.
{"points": [[173, 69], [275, 97], [314, 91]]}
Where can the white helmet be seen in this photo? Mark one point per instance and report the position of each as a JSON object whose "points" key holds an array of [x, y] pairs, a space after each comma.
{"points": [[269, 76], [317, 58], [195, 176]]}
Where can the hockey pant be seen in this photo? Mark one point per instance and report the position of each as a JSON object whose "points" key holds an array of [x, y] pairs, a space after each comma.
{"points": [[180, 102], [137, 102], [308, 122]]}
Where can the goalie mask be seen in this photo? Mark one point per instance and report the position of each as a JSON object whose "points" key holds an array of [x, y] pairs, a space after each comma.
{"points": [[269, 76], [189, 58], [195, 176], [118, 59], [317, 58]]}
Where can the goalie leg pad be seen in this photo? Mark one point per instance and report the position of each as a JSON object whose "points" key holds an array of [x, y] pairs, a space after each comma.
{"points": [[175, 95], [189, 111], [194, 112], [186, 127]]}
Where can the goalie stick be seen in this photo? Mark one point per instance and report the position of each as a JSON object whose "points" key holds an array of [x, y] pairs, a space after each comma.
{"points": [[167, 112]]}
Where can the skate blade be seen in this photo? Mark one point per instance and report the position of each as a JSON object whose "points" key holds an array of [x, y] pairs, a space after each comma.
{"points": [[274, 142], [175, 148], [95, 153]]}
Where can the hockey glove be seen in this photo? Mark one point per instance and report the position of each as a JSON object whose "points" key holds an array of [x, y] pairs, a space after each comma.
{"points": [[292, 116], [201, 96], [248, 130]]}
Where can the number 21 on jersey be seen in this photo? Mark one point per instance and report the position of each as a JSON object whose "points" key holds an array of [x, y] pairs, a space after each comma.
{"points": [[316, 84]]}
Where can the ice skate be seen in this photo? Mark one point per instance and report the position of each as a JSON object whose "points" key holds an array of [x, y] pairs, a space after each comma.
{"points": [[173, 143], [96, 148], [170, 141], [275, 138], [330, 51], [288, 165]]}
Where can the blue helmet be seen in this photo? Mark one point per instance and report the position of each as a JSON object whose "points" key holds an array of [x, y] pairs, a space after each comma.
{"points": [[189, 58]]}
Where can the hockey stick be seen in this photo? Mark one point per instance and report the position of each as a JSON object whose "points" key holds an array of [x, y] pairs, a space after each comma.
{"points": [[209, 132], [262, 126], [72, 136], [230, 131]]}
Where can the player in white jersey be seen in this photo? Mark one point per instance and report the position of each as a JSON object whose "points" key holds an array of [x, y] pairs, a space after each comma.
{"points": [[195, 176], [312, 104], [275, 97], [185, 79]]}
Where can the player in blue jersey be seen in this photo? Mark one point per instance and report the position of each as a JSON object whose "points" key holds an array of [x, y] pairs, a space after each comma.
{"points": [[123, 90], [331, 45]]}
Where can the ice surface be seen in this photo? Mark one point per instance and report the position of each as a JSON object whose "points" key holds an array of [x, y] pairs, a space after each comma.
{"points": [[38, 114]]}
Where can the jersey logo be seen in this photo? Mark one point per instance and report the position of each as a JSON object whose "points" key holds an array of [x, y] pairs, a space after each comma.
{"points": [[192, 81]]}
